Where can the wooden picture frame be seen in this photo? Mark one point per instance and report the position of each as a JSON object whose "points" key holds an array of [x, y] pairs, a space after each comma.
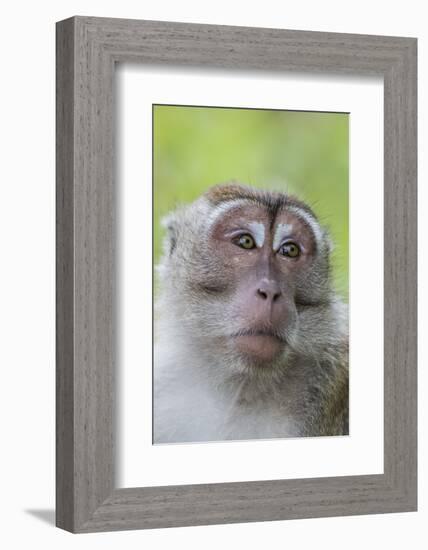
{"points": [[87, 50]]}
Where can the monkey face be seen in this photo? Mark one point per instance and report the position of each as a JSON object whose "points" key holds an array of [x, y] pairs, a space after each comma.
{"points": [[253, 262], [261, 257]]}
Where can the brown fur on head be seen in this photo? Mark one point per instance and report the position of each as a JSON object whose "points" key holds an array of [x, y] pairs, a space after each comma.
{"points": [[271, 199]]}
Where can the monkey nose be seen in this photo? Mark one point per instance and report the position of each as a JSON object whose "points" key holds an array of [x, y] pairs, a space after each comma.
{"points": [[269, 290]]}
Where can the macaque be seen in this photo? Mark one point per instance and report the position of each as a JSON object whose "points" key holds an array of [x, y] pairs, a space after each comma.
{"points": [[251, 338]]}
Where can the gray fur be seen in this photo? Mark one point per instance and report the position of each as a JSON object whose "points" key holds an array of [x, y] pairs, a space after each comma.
{"points": [[204, 392]]}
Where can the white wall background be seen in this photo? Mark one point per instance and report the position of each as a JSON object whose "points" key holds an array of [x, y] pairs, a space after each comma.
{"points": [[27, 272]]}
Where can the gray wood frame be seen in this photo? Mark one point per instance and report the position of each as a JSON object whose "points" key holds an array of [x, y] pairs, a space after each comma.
{"points": [[87, 50]]}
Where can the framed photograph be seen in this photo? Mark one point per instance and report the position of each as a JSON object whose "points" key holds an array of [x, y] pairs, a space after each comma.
{"points": [[236, 274]]}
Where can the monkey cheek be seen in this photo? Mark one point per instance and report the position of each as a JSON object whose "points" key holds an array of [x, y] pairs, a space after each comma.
{"points": [[258, 348]]}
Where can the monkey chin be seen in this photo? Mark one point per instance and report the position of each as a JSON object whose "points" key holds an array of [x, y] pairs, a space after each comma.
{"points": [[259, 349]]}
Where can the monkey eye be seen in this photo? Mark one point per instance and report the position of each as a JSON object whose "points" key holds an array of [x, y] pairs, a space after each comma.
{"points": [[245, 241], [290, 249]]}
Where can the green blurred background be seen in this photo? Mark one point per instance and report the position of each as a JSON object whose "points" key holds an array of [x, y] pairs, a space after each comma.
{"points": [[303, 153]]}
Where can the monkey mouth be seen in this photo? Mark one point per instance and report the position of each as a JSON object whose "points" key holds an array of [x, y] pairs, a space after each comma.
{"points": [[261, 345]]}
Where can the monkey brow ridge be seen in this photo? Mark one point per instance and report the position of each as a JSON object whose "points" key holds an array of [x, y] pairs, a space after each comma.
{"points": [[273, 201]]}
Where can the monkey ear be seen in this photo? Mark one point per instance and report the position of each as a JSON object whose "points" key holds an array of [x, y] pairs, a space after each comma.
{"points": [[170, 223], [328, 240]]}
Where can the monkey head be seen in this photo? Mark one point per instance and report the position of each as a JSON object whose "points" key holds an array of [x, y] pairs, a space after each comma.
{"points": [[241, 269]]}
